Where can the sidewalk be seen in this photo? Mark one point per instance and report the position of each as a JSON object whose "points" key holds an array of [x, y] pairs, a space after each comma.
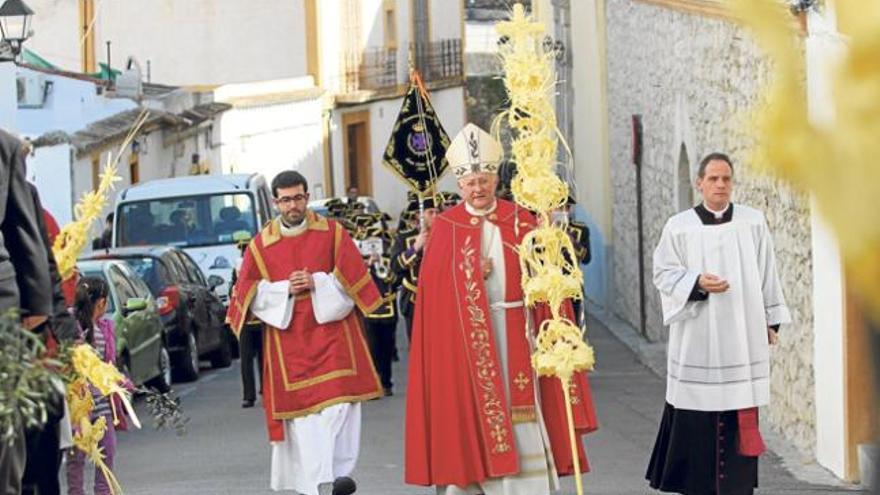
{"points": [[225, 451], [630, 396], [629, 401]]}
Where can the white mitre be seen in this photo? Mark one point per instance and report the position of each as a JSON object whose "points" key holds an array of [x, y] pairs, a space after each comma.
{"points": [[473, 151]]}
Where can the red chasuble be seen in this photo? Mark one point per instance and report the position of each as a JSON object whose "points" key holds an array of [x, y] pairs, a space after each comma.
{"points": [[308, 366], [459, 427]]}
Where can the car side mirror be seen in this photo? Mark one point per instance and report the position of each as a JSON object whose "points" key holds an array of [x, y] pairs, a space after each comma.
{"points": [[215, 281], [135, 304]]}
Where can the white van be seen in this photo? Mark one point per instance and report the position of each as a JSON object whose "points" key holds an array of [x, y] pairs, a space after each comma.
{"points": [[205, 215]]}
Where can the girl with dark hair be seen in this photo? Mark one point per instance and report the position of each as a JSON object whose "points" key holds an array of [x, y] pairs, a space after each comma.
{"points": [[90, 305]]}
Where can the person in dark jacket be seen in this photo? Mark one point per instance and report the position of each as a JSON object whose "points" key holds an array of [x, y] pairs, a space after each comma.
{"points": [[43, 452], [381, 324], [579, 234], [25, 282], [106, 238], [406, 256], [250, 343]]}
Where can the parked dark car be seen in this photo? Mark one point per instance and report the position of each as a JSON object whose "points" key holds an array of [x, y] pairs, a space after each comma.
{"points": [[141, 341], [192, 313]]}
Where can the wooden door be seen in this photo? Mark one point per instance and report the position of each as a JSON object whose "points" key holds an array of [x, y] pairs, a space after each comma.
{"points": [[356, 142]]}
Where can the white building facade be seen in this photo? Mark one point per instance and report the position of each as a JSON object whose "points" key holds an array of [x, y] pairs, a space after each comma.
{"points": [[379, 42], [8, 104], [314, 85], [76, 122]]}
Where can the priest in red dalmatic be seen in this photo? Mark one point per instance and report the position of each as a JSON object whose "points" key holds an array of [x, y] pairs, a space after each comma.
{"points": [[300, 276], [478, 419]]}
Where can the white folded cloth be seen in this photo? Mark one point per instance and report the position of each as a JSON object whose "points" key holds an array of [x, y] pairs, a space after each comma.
{"points": [[330, 301], [273, 304]]}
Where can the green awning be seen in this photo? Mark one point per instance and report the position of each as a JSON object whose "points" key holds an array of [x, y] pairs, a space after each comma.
{"points": [[39, 62], [32, 58]]}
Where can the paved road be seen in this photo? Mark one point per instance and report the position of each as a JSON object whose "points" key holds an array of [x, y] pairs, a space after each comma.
{"points": [[225, 450]]}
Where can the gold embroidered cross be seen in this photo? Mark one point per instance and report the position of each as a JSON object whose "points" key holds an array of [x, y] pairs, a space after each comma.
{"points": [[521, 381], [500, 435]]}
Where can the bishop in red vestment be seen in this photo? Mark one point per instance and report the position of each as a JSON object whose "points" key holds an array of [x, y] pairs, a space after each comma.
{"points": [[478, 418], [315, 374]]}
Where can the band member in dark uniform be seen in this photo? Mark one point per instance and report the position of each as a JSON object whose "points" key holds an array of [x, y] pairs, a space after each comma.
{"points": [[449, 199], [381, 324], [580, 239], [250, 343], [406, 256]]}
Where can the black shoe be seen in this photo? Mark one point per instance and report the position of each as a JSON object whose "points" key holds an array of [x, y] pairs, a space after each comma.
{"points": [[247, 403], [344, 486], [388, 392]]}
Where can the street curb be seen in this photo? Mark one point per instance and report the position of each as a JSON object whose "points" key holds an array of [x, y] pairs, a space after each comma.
{"points": [[653, 356]]}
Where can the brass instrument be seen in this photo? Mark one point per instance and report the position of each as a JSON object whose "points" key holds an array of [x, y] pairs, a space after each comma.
{"points": [[382, 267]]}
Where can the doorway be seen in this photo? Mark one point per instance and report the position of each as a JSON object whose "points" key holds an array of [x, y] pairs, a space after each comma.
{"points": [[356, 148], [861, 345]]}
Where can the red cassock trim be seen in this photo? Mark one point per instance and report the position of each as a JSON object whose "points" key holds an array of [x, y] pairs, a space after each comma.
{"points": [[751, 443]]}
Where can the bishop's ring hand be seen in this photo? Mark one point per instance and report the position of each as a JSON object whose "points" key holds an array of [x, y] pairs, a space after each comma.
{"points": [[486, 266]]}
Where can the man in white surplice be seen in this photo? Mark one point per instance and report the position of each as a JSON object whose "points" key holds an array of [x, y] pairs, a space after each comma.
{"points": [[715, 269]]}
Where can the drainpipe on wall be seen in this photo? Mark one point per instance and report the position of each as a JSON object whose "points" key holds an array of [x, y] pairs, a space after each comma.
{"points": [[637, 161], [330, 187]]}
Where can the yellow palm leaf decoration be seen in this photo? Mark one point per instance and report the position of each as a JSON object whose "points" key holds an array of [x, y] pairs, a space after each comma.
{"points": [[837, 161], [79, 399], [89, 369], [548, 275], [87, 435], [86, 439], [103, 376], [75, 236]]}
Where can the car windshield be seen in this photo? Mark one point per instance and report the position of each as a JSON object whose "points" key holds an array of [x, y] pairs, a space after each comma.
{"points": [[99, 274], [149, 271], [190, 221]]}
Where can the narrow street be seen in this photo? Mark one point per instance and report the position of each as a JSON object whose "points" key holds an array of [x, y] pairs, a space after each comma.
{"points": [[225, 450]]}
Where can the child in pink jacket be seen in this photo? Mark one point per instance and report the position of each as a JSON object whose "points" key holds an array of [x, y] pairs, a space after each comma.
{"points": [[89, 308]]}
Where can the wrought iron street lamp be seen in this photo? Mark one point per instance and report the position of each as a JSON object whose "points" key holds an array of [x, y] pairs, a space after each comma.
{"points": [[15, 27]]}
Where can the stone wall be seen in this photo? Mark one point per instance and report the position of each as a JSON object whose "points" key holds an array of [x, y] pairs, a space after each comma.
{"points": [[692, 78]]}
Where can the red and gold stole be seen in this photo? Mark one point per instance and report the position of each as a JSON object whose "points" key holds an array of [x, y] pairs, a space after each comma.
{"points": [[496, 417]]}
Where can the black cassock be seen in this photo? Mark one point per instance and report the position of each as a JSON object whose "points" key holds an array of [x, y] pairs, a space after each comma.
{"points": [[696, 451], [696, 454]]}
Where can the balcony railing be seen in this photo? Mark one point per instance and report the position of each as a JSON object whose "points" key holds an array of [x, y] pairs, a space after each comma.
{"points": [[371, 70], [438, 60], [375, 70]]}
